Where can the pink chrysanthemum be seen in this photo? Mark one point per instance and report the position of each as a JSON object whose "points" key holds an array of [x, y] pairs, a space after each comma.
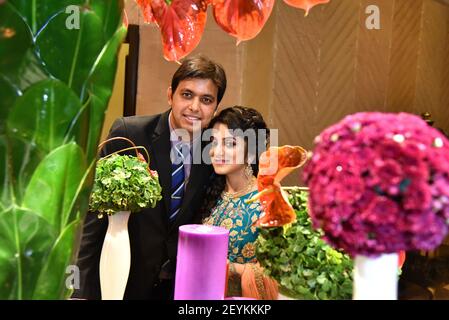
{"points": [[379, 183]]}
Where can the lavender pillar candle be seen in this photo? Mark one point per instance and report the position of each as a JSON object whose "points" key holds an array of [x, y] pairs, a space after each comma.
{"points": [[201, 262]]}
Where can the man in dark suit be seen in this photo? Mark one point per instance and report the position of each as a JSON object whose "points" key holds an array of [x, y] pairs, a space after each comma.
{"points": [[196, 89]]}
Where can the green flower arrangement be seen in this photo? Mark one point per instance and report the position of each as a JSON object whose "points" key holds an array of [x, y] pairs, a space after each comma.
{"points": [[300, 261], [124, 183]]}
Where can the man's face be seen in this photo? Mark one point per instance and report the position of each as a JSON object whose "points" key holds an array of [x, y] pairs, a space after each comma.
{"points": [[193, 104]]}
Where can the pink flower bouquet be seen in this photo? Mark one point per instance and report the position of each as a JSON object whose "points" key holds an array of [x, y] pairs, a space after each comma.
{"points": [[379, 183]]}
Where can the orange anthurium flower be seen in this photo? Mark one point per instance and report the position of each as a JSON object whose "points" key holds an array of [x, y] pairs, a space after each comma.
{"points": [[278, 162], [242, 19], [181, 23], [305, 4], [274, 165], [277, 209]]}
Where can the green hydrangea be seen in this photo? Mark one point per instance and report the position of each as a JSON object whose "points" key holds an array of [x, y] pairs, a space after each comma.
{"points": [[123, 183], [304, 265]]}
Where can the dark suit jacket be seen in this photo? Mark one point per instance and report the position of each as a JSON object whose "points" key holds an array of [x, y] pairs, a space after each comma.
{"points": [[153, 239]]}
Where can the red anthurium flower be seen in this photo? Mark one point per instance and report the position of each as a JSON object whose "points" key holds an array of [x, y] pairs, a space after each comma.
{"points": [[242, 19], [181, 23], [305, 4], [274, 165], [145, 7]]}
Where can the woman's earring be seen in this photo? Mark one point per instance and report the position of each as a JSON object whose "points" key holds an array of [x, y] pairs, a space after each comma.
{"points": [[249, 173]]}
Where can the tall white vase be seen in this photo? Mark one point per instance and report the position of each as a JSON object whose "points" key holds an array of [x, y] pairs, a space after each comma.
{"points": [[115, 260], [376, 278]]}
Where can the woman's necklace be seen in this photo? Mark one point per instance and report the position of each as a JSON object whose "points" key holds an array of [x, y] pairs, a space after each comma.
{"points": [[252, 184]]}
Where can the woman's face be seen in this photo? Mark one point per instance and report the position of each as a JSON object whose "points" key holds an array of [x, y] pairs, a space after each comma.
{"points": [[227, 151]]}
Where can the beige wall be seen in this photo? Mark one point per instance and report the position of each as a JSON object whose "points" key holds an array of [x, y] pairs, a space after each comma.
{"points": [[306, 73], [115, 107]]}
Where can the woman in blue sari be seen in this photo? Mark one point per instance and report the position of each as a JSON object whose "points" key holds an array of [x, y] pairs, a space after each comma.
{"points": [[239, 136]]}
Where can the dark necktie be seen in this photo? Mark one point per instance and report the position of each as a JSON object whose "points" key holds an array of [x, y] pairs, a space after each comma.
{"points": [[177, 181]]}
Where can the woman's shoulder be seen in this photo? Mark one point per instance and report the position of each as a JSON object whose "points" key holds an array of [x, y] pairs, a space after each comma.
{"points": [[244, 198]]}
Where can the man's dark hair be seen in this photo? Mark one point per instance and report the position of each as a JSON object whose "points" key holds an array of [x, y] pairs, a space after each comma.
{"points": [[201, 67]]}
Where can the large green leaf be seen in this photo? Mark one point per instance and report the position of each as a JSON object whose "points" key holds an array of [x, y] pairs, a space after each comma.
{"points": [[44, 113], [17, 162], [37, 12], [8, 96], [15, 39], [5, 194], [99, 87], [25, 241], [30, 72], [55, 185], [51, 282], [70, 54], [110, 13], [23, 157], [19, 65]]}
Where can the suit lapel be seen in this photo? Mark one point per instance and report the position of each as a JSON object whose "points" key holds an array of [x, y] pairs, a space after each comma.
{"points": [[160, 142]]}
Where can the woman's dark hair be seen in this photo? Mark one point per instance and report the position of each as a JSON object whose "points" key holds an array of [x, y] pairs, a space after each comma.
{"points": [[243, 118], [201, 67]]}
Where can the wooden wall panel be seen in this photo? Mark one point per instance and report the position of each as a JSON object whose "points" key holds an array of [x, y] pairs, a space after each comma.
{"points": [[338, 52], [258, 64], [404, 54], [432, 62], [315, 70], [444, 107], [373, 58], [294, 108], [295, 104]]}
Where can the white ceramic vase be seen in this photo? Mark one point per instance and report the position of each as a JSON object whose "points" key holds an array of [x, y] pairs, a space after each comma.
{"points": [[376, 278], [115, 260]]}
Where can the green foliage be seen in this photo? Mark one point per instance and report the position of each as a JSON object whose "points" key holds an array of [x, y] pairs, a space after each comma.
{"points": [[302, 263], [55, 85], [25, 240], [19, 65], [81, 47], [55, 184], [37, 12], [124, 183], [55, 107]]}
